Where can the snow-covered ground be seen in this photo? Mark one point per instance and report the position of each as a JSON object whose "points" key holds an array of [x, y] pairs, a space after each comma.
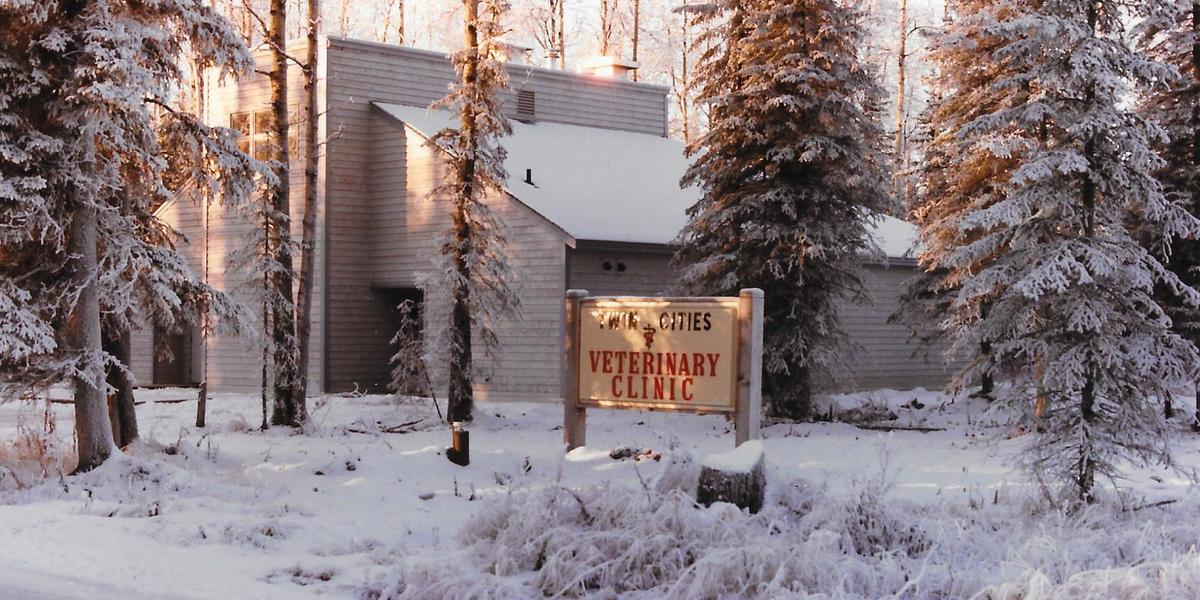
{"points": [[367, 506]]}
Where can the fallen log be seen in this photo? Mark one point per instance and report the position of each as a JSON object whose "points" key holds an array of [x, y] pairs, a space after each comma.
{"points": [[899, 428]]}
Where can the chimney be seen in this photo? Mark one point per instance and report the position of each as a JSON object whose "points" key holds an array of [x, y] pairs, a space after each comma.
{"points": [[610, 67], [514, 52]]}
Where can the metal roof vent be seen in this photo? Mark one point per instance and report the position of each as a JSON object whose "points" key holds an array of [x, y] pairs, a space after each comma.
{"points": [[526, 106]]}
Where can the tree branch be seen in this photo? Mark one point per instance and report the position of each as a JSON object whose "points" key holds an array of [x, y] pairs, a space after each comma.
{"points": [[268, 41]]}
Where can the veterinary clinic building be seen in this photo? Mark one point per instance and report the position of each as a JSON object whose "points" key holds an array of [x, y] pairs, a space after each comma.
{"points": [[592, 201]]}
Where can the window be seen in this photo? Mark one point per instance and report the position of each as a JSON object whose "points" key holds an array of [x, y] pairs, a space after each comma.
{"points": [[254, 129]]}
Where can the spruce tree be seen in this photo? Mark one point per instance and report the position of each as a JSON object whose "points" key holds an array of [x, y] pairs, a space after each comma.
{"points": [[957, 174], [477, 275], [91, 140], [791, 172], [1171, 34], [1071, 313]]}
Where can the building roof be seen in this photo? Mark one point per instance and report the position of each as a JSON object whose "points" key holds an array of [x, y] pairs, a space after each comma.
{"points": [[605, 185]]}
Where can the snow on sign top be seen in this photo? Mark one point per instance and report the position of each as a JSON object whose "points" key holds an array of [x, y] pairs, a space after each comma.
{"points": [[606, 185]]}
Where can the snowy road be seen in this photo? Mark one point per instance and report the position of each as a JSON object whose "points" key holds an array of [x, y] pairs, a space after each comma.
{"points": [[30, 584]]}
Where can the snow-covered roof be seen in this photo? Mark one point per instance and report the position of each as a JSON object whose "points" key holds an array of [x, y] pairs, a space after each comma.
{"points": [[606, 185], [897, 239]]}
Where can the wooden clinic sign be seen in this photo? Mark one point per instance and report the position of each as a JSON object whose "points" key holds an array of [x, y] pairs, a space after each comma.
{"points": [[697, 355]]}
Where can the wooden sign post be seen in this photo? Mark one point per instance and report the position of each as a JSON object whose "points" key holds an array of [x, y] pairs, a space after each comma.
{"points": [[696, 355]]}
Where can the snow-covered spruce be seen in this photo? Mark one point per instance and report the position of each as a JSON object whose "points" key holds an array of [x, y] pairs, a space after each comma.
{"points": [[791, 171], [956, 174], [1170, 34], [473, 267], [91, 142], [1045, 258]]}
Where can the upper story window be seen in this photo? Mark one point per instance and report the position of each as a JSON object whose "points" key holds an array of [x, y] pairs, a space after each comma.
{"points": [[254, 129]]}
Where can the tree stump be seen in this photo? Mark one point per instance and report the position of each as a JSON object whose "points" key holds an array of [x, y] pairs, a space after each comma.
{"points": [[738, 477]]}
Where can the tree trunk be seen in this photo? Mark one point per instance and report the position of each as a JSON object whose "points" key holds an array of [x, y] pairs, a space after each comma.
{"points": [[562, 38], [901, 72], [607, 8], [93, 431], [1041, 401], [400, 25], [309, 224], [461, 395], [1086, 478], [1196, 147], [202, 114], [684, 82], [738, 477], [987, 385], [1087, 465], [789, 396], [637, 25], [1196, 417], [283, 328], [122, 413]]}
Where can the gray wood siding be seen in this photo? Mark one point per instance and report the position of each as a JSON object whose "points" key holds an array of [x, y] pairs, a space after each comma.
{"points": [[141, 341], [383, 232], [234, 361], [415, 77], [645, 274], [404, 240], [887, 357]]}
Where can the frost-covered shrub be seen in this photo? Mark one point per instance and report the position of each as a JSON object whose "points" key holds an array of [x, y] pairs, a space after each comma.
{"points": [[871, 529], [423, 580], [639, 542], [1179, 578], [35, 453]]}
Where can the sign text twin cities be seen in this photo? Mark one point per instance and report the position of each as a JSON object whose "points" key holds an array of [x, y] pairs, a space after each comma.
{"points": [[658, 354], [697, 355]]}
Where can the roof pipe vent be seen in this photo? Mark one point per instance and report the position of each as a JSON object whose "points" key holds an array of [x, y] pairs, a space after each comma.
{"points": [[529, 176]]}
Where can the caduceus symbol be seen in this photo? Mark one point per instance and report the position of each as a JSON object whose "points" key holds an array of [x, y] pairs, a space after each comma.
{"points": [[648, 332]]}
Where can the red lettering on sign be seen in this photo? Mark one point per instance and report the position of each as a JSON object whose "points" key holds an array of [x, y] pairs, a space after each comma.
{"points": [[698, 364], [616, 391], [595, 358], [712, 364], [608, 361], [684, 367], [687, 382], [633, 363]]}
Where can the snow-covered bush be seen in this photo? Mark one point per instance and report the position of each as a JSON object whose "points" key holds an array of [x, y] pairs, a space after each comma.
{"points": [[637, 542], [34, 454]]}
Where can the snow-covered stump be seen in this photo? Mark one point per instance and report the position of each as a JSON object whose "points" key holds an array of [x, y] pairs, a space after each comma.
{"points": [[738, 477]]}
